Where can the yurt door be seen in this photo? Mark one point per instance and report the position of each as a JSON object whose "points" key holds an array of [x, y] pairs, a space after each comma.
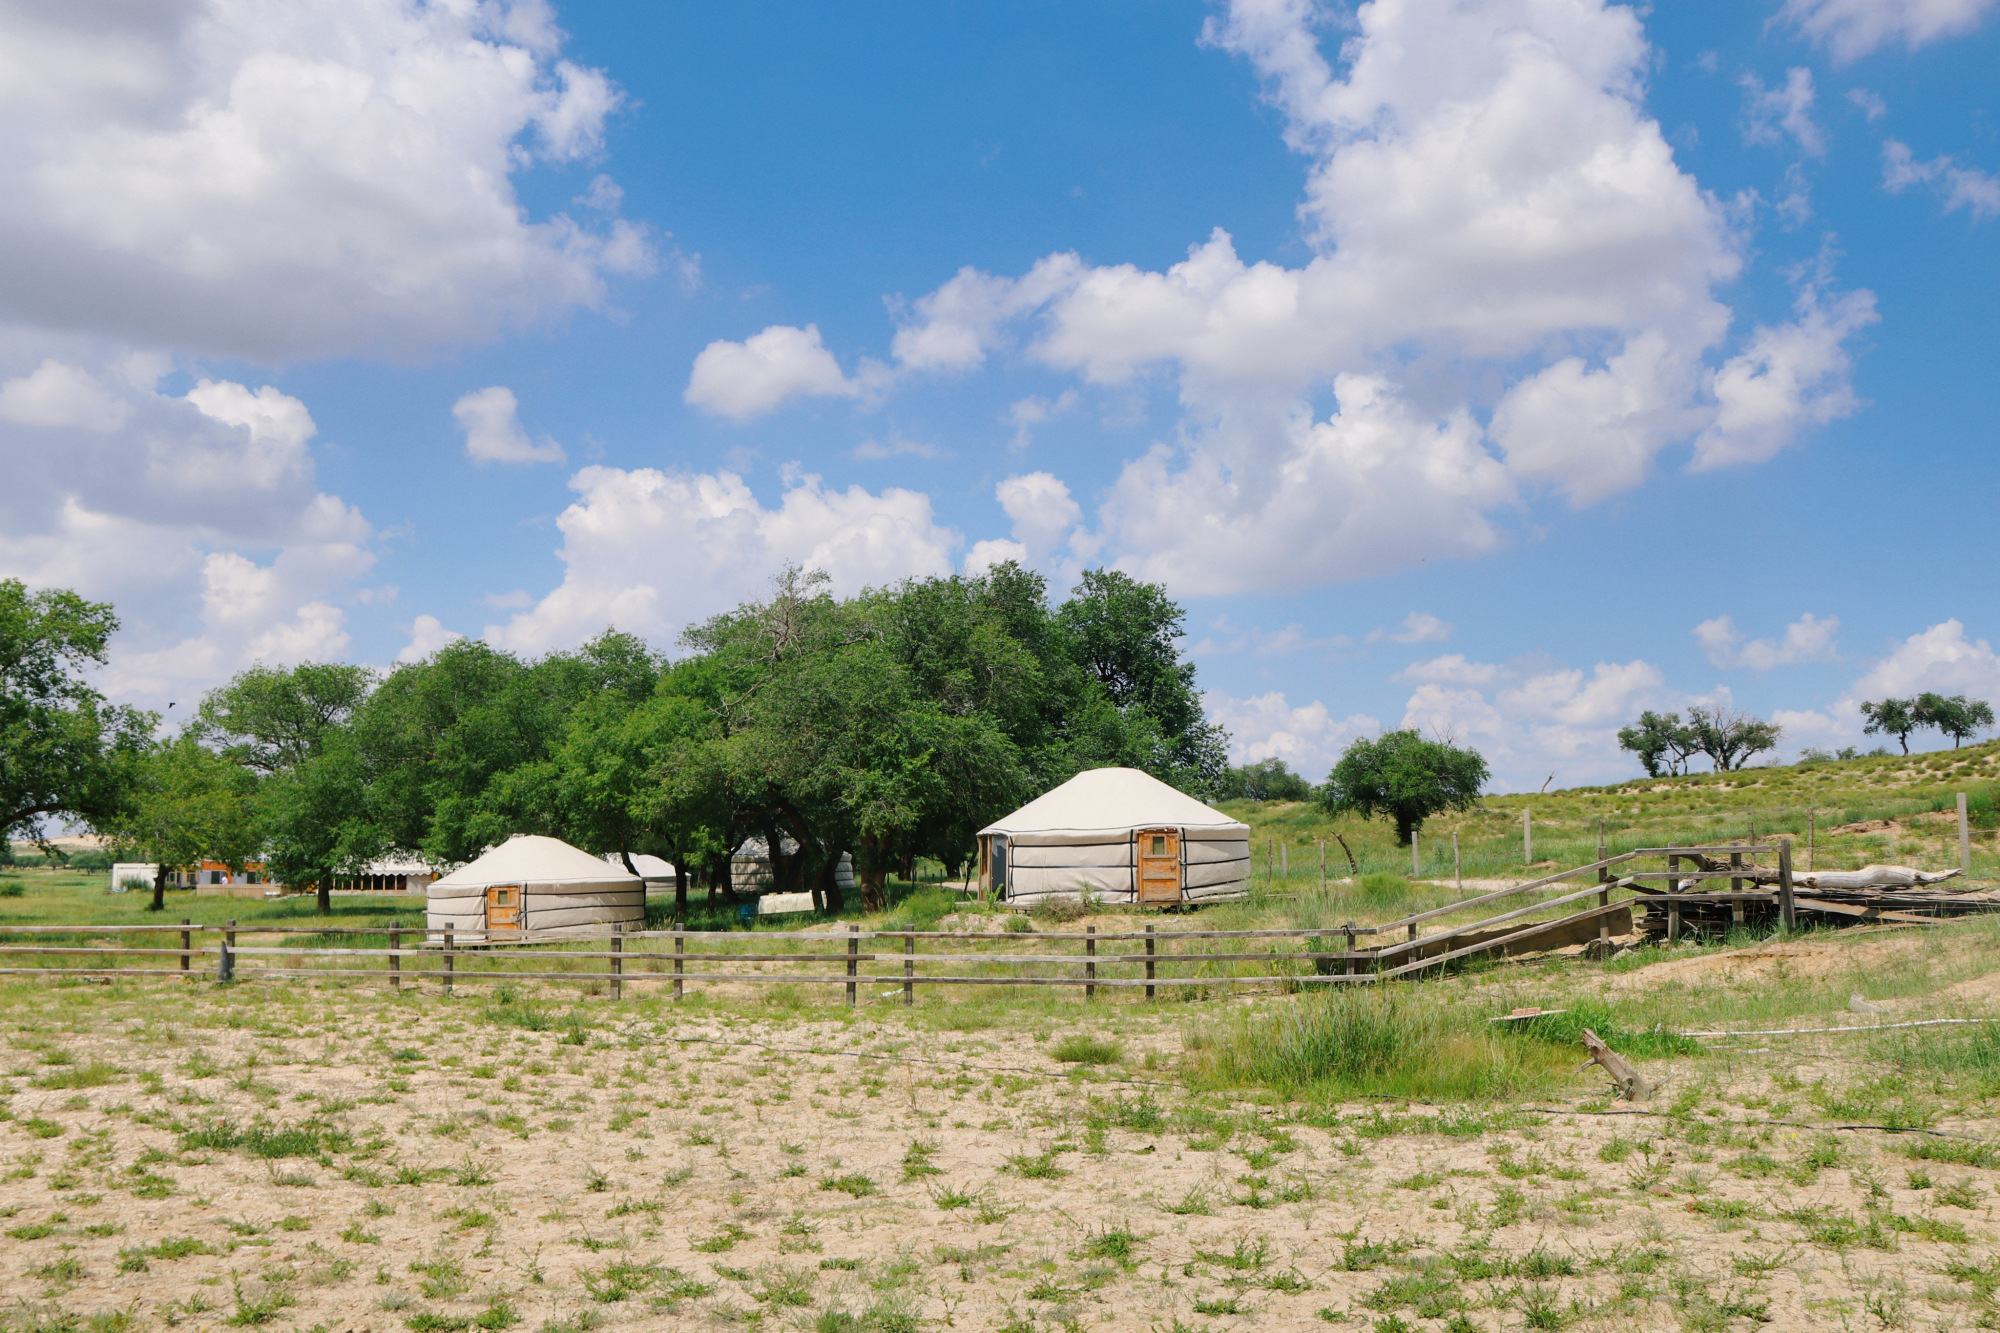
{"points": [[1159, 865], [503, 907]]}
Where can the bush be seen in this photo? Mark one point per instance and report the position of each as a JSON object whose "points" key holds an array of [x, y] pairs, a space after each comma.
{"points": [[1081, 1049], [1383, 888]]}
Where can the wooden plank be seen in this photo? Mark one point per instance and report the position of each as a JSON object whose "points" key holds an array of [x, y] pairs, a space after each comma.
{"points": [[1490, 944], [1579, 929]]}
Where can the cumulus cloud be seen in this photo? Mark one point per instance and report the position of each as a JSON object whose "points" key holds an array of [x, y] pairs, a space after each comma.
{"points": [[1512, 287], [1807, 639], [1531, 722], [1941, 659], [651, 552], [1772, 114], [1420, 627], [1268, 726], [427, 635], [197, 515], [493, 434], [741, 380], [1044, 519], [275, 179], [1975, 191], [1851, 29]]}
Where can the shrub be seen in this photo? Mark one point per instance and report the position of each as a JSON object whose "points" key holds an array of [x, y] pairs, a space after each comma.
{"points": [[1081, 1049]]}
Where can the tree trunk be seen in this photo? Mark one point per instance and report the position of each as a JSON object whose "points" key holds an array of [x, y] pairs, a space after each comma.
{"points": [[159, 888], [324, 907], [869, 869], [680, 891], [626, 857], [831, 899]]}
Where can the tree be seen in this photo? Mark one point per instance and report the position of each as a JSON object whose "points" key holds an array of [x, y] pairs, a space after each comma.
{"points": [[1406, 777], [271, 719], [1957, 716], [189, 805], [1891, 717], [64, 751], [1730, 739], [1266, 780], [1659, 739], [317, 821]]}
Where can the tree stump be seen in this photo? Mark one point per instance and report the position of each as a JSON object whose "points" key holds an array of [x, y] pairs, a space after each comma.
{"points": [[1632, 1085]]}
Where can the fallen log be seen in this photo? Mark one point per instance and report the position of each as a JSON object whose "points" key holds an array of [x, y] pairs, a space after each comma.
{"points": [[1632, 1085]]}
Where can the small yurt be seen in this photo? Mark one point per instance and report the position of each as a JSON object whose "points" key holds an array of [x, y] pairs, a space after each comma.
{"points": [[1120, 835], [534, 885]]}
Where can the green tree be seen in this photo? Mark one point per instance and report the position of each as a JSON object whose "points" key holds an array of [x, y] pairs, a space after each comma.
{"points": [[1406, 777], [1661, 741], [271, 718], [317, 821], [188, 805], [1730, 739], [1891, 717], [1956, 716], [1266, 780], [64, 752]]}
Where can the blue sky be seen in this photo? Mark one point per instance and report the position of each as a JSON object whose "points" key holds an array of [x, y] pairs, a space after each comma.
{"points": [[1500, 367]]}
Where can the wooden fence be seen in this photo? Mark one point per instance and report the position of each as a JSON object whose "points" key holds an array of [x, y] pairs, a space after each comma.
{"points": [[1152, 958]]}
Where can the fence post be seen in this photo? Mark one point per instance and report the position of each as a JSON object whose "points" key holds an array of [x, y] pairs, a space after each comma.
{"points": [[187, 942], [1737, 916], [449, 958], [909, 968], [1787, 909], [680, 951], [1603, 871], [617, 960], [1090, 962], [1812, 818], [1964, 838], [225, 969], [396, 957], [1673, 899], [1149, 962], [1457, 868], [1350, 948], [1416, 859], [1527, 838], [853, 961], [1322, 865], [1284, 860]]}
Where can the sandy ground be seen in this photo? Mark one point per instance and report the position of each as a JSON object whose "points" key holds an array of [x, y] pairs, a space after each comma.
{"points": [[664, 1168]]}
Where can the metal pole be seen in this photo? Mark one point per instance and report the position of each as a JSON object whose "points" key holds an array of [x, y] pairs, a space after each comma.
{"points": [[187, 941], [396, 956], [1149, 962], [1527, 837], [909, 969], [450, 960], [853, 950], [1964, 838], [617, 960], [680, 950], [1090, 962], [1787, 909]]}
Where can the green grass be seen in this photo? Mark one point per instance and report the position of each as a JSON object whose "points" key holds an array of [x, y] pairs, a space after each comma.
{"points": [[1082, 1049]]}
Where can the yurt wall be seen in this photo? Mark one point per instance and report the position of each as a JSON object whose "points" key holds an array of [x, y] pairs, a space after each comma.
{"points": [[534, 886]]}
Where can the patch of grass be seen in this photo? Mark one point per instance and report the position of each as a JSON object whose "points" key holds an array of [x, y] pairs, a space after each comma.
{"points": [[917, 1160], [254, 1312], [1039, 1166], [93, 1075], [1955, 1152], [1081, 1049], [722, 1241], [854, 1184]]}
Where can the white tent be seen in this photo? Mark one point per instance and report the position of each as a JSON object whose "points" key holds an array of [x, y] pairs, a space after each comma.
{"points": [[652, 869], [1120, 835], [534, 884]]}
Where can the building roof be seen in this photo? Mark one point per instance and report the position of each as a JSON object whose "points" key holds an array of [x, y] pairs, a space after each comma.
{"points": [[528, 858], [1112, 798], [649, 867]]}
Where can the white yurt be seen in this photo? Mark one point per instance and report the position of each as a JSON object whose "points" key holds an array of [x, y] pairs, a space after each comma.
{"points": [[657, 871], [1120, 835], [532, 884]]}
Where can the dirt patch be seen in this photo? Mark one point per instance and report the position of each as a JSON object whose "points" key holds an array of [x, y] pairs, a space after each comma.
{"points": [[1793, 958], [1893, 828]]}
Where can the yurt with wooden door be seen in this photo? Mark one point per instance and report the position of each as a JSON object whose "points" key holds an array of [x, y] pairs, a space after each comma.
{"points": [[1120, 835], [531, 885]]}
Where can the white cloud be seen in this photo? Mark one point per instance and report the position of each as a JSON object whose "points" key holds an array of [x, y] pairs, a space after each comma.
{"points": [[1042, 511], [427, 635], [1421, 627], [1498, 228], [1789, 377], [1307, 737], [651, 552], [1529, 723], [1870, 103], [197, 516], [1975, 191], [1772, 113], [493, 434], [1807, 639], [1027, 413], [741, 380], [1940, 659], [278, 179], [1853, 28]]}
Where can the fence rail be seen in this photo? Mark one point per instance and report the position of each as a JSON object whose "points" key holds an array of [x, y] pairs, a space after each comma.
{"points": [[1169, 959]]}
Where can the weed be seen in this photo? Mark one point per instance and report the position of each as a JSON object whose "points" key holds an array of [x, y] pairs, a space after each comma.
{"points": [[944, 1196], [722, 1241], [854, 1184], [1078, 1048], [1037, 1167], [260, 1310], [1192, 1204]]}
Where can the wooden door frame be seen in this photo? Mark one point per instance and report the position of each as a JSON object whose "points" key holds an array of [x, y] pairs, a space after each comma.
{"points": [[1140, 857], [520, 907]]}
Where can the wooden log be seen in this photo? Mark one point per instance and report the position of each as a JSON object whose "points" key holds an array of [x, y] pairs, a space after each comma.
{"points": [[1632, 1085]]}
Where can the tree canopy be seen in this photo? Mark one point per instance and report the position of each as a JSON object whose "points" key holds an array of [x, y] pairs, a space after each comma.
{"points": [[64, 751], [1406, 777], [1265, 780], [1956, 716]]}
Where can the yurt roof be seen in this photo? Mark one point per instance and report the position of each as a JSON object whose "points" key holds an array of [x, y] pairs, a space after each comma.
{"points": [[649, 867], [1111, 798], [528, 858]]}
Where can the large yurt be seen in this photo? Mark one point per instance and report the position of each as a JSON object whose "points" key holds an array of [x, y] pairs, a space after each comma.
{"points": [[534, 885], [1119, 835]]}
